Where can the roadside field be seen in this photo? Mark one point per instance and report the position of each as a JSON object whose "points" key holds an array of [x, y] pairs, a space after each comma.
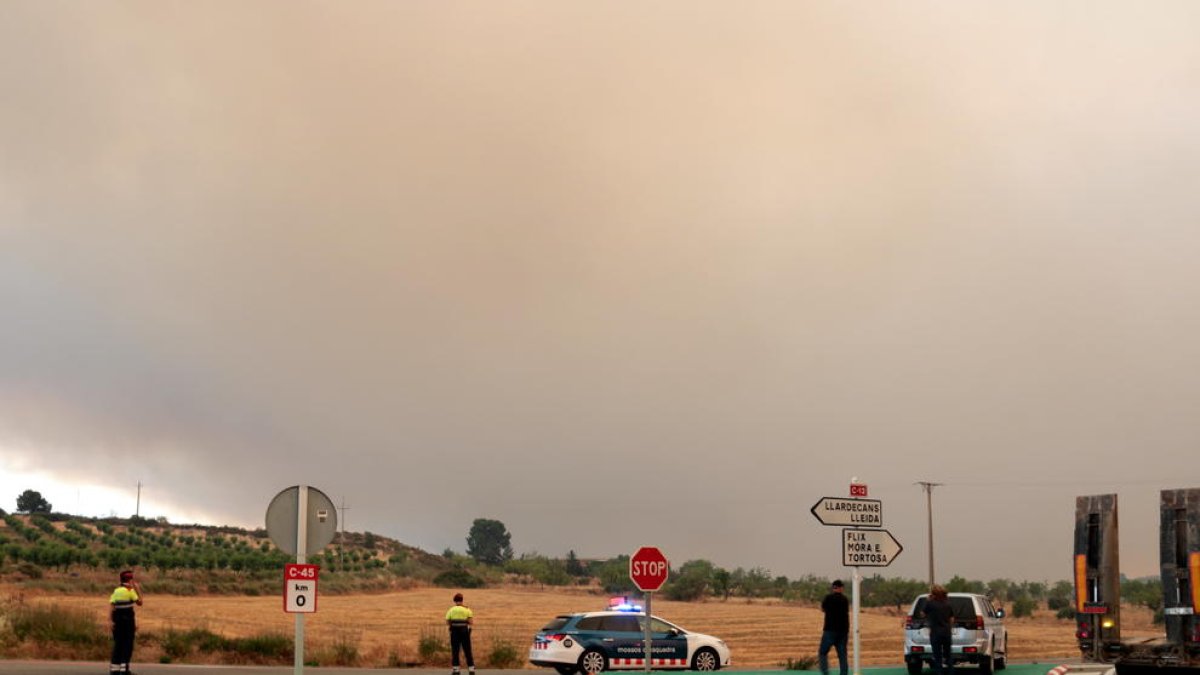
{"points": [[763, 634]]}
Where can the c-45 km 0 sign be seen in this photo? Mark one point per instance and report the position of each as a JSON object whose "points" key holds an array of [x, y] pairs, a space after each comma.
{"points": [[849, 512]]}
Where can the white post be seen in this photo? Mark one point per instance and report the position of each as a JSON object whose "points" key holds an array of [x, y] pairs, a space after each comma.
{"points": [[854, 627], [302, 558]]}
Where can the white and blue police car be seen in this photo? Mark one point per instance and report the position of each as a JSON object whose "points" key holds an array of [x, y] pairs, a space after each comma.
{"points": [[592, 642]]}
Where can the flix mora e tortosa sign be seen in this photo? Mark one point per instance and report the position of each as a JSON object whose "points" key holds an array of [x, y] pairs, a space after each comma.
{"points": [[869, 548], [849, 512]]}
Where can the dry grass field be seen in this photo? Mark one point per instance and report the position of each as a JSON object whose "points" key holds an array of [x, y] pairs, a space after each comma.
{"points": [[387, 626]]}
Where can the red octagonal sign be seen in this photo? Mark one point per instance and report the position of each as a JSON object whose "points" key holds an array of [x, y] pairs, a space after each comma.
{"points": [[648, 568]]}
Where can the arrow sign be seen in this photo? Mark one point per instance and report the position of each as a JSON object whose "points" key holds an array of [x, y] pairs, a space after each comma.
{"points": [[851, 512], [869, 548]]}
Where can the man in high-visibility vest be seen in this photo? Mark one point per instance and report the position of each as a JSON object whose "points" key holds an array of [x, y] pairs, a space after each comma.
{"points": [[460, 619], [122, 601]]}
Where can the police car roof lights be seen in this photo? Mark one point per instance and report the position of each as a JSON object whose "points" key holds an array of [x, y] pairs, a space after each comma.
{"points": [[623, 604]]}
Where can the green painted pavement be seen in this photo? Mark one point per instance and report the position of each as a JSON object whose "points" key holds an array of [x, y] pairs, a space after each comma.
{"points": [[1012, 669]]}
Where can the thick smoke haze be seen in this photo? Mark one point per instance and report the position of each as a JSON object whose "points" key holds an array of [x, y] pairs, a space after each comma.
{"points": [[615, 275]]}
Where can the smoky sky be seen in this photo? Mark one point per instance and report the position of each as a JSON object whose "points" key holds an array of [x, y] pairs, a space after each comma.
{"points": [[614, 274]]}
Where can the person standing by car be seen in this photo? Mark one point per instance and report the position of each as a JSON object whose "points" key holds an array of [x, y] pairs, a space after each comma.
{"points": [[122, 601], [939, 616], [836, 629], [460, 619]]}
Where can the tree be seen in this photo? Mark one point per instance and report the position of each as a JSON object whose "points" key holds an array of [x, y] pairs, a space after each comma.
{"points": [[489, 542], [691, 581], [1061, 596], [574, 567], [722, 582], [897, 592], [32, 501]]}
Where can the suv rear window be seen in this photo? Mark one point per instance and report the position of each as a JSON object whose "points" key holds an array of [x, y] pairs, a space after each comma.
{"points": [[556, 623], [963, 608]]}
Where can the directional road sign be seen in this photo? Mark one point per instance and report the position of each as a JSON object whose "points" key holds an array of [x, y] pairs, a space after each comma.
{"points": [[849, 512], [283, 521], [869, 548]]}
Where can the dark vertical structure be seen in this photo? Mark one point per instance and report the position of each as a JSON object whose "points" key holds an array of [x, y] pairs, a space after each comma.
{"points": [[1097, 574], [1179, 553]]}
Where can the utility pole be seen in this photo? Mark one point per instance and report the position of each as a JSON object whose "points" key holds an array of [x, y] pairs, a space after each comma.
{"points": [[137, 511], [342, 537], [928, 487]]}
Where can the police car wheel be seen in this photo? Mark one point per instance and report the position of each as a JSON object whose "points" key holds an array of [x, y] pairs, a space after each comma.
{"points": [[566, 670], [705, 659], [592, 661]]}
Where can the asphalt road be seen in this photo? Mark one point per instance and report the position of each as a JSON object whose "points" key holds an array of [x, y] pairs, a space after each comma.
{"points": [[96, 668]]}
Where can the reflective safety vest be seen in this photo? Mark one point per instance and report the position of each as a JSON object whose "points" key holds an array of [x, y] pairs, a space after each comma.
{"points": [[458, 616], [123, 598]]}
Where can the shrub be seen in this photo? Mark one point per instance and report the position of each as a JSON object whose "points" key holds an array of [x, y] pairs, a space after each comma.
{"points": [[343, 652], [263, 648], [30, 570], [432, 644], [396, 660], [457, 578], [176, 645], [51, 624], [802, 663], [504, 654], [1065, 613], [1022, 607]]}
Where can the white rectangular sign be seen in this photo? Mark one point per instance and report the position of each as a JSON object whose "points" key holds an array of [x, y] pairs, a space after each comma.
{"points": [[869, 548], [849, 512], [300, 589]]}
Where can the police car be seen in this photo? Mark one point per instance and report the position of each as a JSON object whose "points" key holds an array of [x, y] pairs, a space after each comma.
{"points": [[591, 642]]}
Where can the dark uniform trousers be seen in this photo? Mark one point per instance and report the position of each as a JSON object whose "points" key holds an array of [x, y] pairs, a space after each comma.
{"points": [[124, 628], [460, 639]]}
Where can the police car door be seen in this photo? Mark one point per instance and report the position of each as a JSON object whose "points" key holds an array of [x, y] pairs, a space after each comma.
{"points": [[623, 639], [670, 643]]}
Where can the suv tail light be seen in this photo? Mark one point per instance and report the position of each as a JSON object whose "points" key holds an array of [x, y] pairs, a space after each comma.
{"points": [[978, 623], [908, 623]]}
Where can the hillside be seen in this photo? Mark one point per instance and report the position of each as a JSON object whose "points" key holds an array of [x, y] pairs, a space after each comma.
{"points": [[74, 551]]}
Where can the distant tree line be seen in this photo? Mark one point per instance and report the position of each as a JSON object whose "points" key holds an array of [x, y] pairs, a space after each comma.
{"points": [[37, 541]]}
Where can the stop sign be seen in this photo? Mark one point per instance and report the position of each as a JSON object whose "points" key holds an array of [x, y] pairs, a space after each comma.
{"points": [[648, 568]]}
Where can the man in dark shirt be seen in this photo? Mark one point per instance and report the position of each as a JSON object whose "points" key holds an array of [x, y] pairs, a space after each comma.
{"points": [[939, 616], [836, 629]]}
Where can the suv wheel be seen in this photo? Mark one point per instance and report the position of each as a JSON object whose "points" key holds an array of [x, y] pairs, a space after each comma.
{"points": [[987, 662], [914, 667]]}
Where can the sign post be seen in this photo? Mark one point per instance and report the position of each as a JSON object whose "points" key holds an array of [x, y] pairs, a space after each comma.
{"points": [[648, 569], [301, 520], [872, 548]]}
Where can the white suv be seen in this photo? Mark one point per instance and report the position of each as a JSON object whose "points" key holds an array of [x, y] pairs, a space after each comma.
{"points": [[978, 635]]}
